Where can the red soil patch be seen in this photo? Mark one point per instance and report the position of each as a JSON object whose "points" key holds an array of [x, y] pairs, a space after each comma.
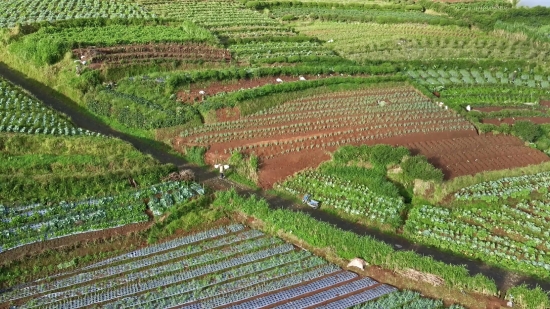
{"points": [[476, 154], [538, 120], [215, 87], [121, 54], [545, 103]]}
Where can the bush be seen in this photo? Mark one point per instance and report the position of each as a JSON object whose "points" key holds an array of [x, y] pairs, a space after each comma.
{"points": [[383, 155], [526, 130], [289, 17], [526, 298], [195, 155], [418, 167]]}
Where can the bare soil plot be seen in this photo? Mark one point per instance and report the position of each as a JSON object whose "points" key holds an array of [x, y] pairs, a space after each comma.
{"points": [[475, 154]]}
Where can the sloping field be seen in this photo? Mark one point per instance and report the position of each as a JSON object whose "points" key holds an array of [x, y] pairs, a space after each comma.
{"points": [[300, 133], [471, 155], [229, 266]]}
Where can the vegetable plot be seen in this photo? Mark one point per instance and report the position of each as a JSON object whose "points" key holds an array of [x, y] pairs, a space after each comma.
{"points": [[347, 196], [217, 267], [505, 188], [511, 236], [21, 225], [392, 115], [20, 113], [484, 87], [34, 11]]}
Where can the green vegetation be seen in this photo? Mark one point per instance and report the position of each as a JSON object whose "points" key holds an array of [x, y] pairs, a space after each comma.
{"points": [[38, 168], [366, 182], [486, 54], [348, 245], [367, 42], [35, 11], [49, 44]]}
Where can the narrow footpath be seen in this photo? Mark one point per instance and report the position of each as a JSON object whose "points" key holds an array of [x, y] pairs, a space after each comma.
{"points": [[504, 279]]}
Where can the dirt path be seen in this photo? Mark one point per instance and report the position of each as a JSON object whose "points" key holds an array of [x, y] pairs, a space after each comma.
{"points": [[503, 279]]}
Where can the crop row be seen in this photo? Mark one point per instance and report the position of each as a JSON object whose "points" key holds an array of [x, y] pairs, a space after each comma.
{"points": [[504, 188], [252, 285], [240, 269], [509, 236], [307, 131], [211, 14], [132, 256], [262, 51], [406, 42], [169, 245], [346, 196], [31, 11], [367, 106], [37, 222], [354, 15]]}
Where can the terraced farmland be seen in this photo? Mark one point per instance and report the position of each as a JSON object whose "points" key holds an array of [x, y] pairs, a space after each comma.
{"points": [[226, 266], [26, 224], [299, 132]]}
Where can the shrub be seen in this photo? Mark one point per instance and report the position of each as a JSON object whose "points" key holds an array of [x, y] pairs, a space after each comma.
{"points": [[526, 130], [418, 167], [384, 155]]}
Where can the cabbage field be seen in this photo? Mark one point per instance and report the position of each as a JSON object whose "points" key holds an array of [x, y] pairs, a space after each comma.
{"points": [[229, 266]]}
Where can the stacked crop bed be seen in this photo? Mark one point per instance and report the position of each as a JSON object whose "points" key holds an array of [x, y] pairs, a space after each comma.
{"points": [[244, 30], [471, 155], [347, 196], [508, 233], [297, 134], [226, 266], [37, 222]]}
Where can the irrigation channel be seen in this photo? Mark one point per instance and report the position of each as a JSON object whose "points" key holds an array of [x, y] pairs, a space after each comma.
{"points": [[504, 279]]}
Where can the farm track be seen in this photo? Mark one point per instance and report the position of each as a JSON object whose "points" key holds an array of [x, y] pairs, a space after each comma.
{"points": [[503, 278]]}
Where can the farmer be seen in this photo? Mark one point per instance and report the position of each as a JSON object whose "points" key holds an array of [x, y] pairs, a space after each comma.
{"points": [[222, 168]]}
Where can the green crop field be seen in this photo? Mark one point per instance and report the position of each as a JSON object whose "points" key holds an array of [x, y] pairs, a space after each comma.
{"points": [[420, 128]]}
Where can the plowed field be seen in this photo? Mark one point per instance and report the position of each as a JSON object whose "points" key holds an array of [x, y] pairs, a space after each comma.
{"points": [[302, 133], [471, 155]]}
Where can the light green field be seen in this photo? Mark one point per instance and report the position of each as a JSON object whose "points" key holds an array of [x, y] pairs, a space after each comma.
{"points": [[400, 42]]}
